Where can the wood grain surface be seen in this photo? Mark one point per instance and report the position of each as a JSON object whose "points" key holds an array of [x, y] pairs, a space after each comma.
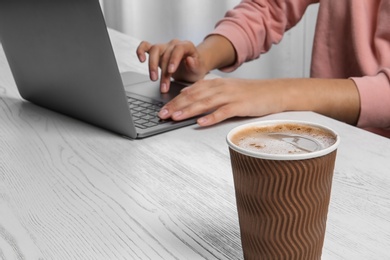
{"points": [[69, 190]]}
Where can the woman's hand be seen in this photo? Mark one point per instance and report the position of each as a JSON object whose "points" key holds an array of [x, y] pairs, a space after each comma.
{"points": [[223, 98], [178, 59]]}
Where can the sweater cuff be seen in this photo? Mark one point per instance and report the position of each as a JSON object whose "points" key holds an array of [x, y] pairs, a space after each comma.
{"points": [[235, 36], [374, 100]]}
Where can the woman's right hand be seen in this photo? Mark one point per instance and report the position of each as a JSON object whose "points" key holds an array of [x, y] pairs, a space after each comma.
{"points": [[177, 59]]}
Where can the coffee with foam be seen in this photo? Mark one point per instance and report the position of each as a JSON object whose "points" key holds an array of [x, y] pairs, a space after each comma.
{"points": [[282, 172], [284, 138]]}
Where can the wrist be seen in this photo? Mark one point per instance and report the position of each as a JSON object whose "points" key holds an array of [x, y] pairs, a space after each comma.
{"points": [[335, 98], [216, 52]]}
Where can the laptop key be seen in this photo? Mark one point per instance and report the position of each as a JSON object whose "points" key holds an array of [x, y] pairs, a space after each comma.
{"points": [[145, 113]]}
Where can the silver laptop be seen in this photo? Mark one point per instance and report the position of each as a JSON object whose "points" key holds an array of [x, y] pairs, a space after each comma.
{"points": [[61, 58]]}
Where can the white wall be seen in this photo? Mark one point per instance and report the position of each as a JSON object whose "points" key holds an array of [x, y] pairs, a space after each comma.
{"points": [[162, 20]]}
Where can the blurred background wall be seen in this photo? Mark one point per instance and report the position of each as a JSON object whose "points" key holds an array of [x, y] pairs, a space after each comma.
{"points": [[163, 20]]}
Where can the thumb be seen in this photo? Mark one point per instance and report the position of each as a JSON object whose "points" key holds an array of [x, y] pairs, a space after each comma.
{"points": [[191, 63]]}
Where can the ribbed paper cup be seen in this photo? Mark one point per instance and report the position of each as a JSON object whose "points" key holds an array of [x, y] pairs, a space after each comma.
{"points": [[282, 199]]}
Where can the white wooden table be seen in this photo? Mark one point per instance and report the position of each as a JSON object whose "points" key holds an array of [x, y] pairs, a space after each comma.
{"points": [[69, 190]]}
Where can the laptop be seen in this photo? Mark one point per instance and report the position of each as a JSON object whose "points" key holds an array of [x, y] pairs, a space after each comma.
{"points": [[61, 57]]}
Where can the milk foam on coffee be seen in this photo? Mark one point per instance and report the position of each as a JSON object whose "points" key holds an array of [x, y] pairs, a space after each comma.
{"points": [[283, 138]]}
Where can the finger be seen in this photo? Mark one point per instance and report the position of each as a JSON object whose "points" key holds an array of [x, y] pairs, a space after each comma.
{"points": [[155, 53], [191, 63], [180, 52], [168, 65], [142, 48], [217, 116], [176, 104], [165, 79], [218, 112], [194, 101], [165, 84]]}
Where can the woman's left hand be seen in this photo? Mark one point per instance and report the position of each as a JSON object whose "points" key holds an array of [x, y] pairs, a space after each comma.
{"points": [[224, 98]]}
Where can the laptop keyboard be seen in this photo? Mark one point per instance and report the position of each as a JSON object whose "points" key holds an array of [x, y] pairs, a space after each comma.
{"points": [[145, 114]]}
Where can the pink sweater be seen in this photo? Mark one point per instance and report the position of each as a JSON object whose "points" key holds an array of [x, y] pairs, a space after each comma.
{"points": [[352, 40]]}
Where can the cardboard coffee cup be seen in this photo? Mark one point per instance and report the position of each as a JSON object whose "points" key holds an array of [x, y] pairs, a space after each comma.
{"points": [[283, 173]]}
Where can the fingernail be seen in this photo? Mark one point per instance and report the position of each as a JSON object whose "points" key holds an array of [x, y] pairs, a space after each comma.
{"points": [[171, 68], [163, 112], [164, 87], [202, 120], [177, 114], [153, 75]]}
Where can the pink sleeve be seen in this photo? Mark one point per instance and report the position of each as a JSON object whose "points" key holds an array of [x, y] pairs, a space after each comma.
{"points": [[254, 25], [374, 100]]}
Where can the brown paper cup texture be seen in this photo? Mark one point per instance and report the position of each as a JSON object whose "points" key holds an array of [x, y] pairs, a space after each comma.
{"points": [[282, 199]]}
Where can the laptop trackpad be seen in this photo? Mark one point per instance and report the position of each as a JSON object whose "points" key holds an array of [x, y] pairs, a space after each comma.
{"points": [[151, 89]]}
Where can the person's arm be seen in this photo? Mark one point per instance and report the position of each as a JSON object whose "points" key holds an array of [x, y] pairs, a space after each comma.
{"points": [[217, 52], [224, 98], [335, 98], [254, 26]]}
